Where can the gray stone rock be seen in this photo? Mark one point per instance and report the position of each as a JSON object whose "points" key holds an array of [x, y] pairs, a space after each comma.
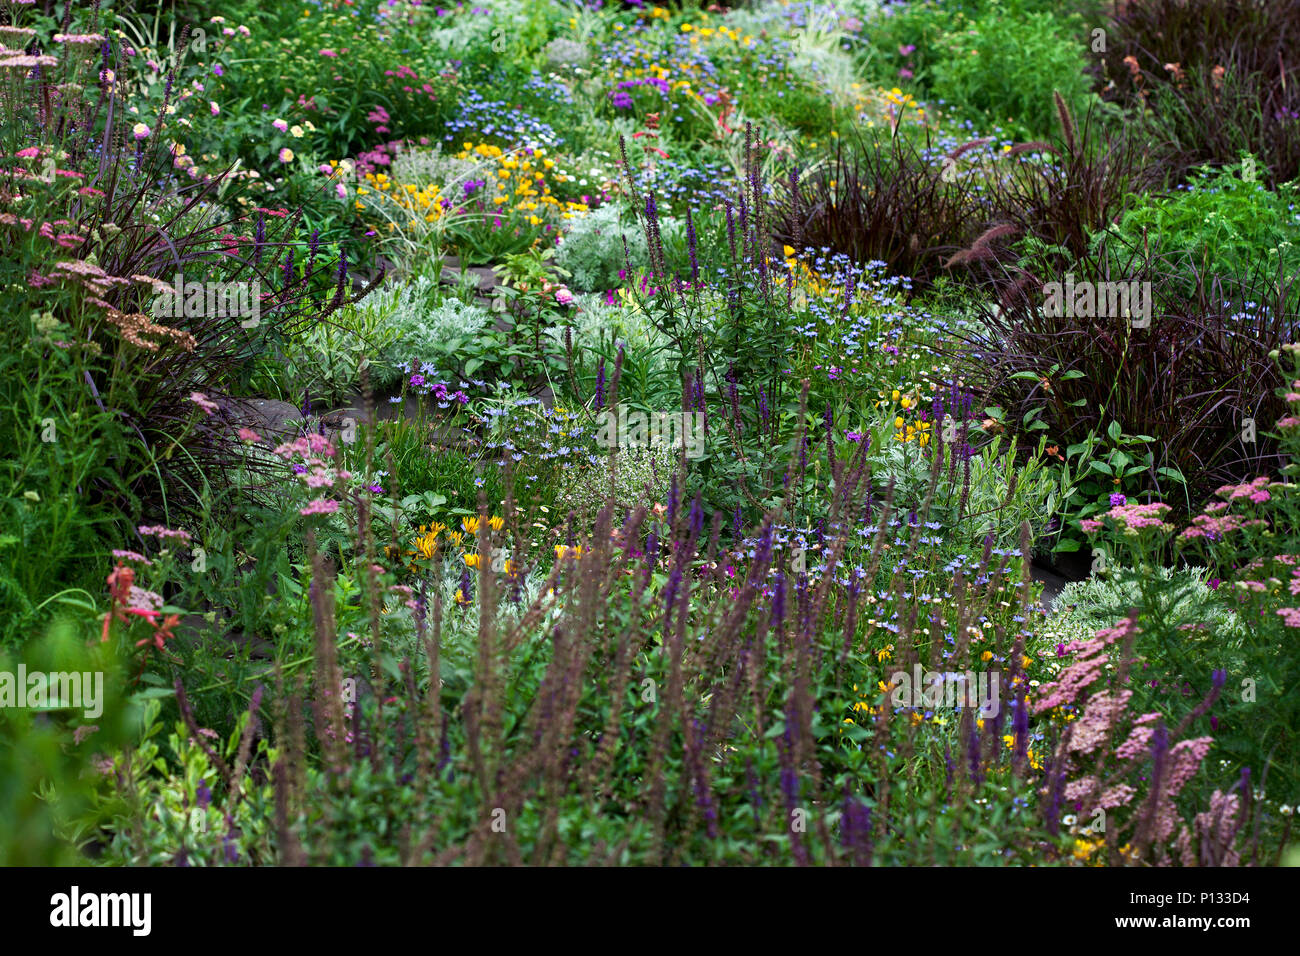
{"points": [[269, 417]]}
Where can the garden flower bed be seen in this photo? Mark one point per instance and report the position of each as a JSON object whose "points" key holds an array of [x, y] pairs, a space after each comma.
{"points": [[639, 433]]}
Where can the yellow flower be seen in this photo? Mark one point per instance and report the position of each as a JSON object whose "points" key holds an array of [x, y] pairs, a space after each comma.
{"points": [[986, 656], [471, 560], [496, 522], [895, 395], [470, 524], [1084, 848], [898, 422], [907, 402]]}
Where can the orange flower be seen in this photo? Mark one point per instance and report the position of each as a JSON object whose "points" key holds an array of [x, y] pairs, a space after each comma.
{"points": [[162, 632]]}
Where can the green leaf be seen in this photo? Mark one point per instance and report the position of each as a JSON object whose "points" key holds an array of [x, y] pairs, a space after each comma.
{"points": [[1114, 431], [855, 733], [153, 693]]}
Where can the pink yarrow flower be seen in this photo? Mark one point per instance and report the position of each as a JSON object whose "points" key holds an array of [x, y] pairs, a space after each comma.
{"points": [[209, 407]]}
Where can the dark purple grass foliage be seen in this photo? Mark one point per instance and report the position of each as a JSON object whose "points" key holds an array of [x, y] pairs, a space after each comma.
{"points": [[880, 199], [1231, 86]]}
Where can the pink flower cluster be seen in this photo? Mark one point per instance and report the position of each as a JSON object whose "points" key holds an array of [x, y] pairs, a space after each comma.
{"points": [[1132, 518], [123, 555], [1214, 828], [65, 240], [1099, 718], [209, 407], [1207, 526], [164, 534], [1070, 685], [1181, 763], [1256, 491], [313, 470], [144, 600]]}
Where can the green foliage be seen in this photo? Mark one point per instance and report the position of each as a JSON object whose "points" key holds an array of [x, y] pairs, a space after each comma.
{"points": [[173, 807], [1006, 64], [1247, 538], [993, 492], [57, 441], [1225, 223], [700, 672], [328, 358], [1181, 598], [594, 250], [1100, 466], [639, 477], [48, 767]]}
